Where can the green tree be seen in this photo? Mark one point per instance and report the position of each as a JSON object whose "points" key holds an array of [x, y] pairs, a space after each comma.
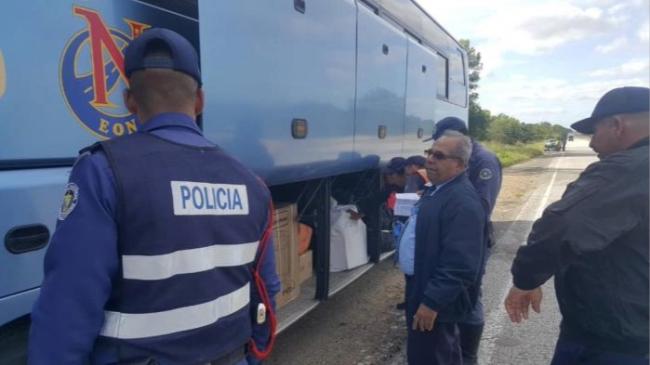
{"points": [[479, 119], [474, 72], [505, 129]]}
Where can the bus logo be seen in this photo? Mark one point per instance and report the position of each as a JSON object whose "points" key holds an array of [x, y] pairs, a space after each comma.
{"points": [[92, 75]]}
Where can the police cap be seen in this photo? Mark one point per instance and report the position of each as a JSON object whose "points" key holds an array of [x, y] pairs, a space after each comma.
{"points": [[623, 100], [447, 124], [182, 55]]}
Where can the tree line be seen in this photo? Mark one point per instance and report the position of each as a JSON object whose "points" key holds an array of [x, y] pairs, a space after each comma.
{"points": [[501, 128]]}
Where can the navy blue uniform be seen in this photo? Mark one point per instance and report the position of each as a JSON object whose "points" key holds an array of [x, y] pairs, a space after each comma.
{"points": [[450, 244], [484, 173], [85, 269], [595, 239]]}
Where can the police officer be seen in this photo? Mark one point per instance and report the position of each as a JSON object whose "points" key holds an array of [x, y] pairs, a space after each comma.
{"points": [[484, 172], [152, 258], [595, 242]]}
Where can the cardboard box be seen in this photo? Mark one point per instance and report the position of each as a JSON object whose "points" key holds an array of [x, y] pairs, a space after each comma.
{"points": [[285, 237], [305, 262]]}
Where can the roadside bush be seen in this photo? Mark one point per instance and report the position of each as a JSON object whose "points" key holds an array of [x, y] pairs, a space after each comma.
{"points": [[510, 154]]}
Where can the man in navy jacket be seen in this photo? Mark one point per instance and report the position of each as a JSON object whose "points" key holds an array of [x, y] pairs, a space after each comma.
{"points": [[450, 244], [484, 172]]}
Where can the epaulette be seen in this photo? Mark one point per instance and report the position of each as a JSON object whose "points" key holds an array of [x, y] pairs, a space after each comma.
{"points": [[87, 151], [91, 149]]}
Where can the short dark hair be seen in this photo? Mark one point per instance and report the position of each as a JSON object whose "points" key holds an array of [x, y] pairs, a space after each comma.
{"points": [[416, 160], [152, 88]]}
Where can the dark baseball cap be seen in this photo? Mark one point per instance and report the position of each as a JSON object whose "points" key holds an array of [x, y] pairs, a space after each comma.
{"points": [[416, 160], [182, 55], [447, 124], [396, 165], [623, 100]]}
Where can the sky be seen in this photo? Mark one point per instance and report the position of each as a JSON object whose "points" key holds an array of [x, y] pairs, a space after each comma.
{"points": [[547, 60]]}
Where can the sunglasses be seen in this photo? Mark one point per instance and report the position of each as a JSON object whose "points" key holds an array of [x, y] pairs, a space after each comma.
{"points": [[439, 155]]}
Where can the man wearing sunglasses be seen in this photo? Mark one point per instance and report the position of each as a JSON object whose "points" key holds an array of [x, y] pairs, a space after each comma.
{"points": [[442, 254], [484, 172]]}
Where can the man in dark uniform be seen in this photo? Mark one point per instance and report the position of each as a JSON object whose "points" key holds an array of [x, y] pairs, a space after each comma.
{"points": [[152, 258], [484, 173], [595, 242], [441, 252]]}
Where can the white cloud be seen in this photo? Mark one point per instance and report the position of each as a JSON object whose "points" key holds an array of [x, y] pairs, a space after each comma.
{"points": [[636, 67], [540, 28], [611, 3], [644, 32], [501, 27], [534, 99], [617, 8], [612, 46], [528, 35]]}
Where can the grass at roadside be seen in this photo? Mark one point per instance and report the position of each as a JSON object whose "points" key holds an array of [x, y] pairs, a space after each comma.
{"points": [[511, 154]]}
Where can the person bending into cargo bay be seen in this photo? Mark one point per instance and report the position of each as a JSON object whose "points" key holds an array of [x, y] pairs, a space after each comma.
{"points": [[156, 240], [442, 254]]}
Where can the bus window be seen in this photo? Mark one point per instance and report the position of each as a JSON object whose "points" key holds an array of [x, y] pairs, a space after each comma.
{"points": [[458, 68], [442, 75], [457, 84]]}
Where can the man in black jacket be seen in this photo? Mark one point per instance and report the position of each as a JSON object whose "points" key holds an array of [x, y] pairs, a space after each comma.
{"points": [[595, 242], [442, 254]]}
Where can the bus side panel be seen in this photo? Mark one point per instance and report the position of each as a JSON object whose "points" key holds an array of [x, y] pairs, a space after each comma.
{"points": [[381, 84], [420, 98], [30, 197], [51, 107], [48, 112], [265, 64]]}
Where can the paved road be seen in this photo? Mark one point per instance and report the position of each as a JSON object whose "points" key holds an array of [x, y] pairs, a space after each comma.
{"points": [[532, 342]]}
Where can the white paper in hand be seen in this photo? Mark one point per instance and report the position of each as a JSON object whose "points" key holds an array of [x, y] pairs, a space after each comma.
{"points": [[404, 204]]}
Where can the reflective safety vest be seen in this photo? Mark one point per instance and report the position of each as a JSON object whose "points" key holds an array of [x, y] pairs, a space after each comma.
{"points": [[189, 223]]}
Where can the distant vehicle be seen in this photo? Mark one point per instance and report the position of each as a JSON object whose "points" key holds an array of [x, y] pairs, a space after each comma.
{"points": [[570, 138], [552, 145]]}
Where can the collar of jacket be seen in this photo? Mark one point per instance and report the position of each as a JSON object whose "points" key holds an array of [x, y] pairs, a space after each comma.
{"points": [[643, 142], [446, 184], [171, 120]]}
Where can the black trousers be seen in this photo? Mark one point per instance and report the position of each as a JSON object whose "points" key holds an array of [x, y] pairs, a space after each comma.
{"points": [[572, 353], [441, 346]]}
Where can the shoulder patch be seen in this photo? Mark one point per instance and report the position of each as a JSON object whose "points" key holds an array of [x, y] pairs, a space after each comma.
{"points": [[485, 174], [70, 198]]}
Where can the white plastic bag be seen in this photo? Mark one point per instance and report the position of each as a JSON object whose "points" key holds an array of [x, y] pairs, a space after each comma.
{"points": [[348, 239]]}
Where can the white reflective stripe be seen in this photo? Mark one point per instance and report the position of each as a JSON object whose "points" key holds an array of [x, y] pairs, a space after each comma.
{"points": [[158, 267], [130, 325]]}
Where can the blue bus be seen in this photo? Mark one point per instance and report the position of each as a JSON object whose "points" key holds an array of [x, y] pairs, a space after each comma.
{"points": [[313, 95]]}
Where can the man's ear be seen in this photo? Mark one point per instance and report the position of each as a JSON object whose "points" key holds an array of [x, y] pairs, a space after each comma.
{"points": [[129, 102], [199, 102], [618, 124]]}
